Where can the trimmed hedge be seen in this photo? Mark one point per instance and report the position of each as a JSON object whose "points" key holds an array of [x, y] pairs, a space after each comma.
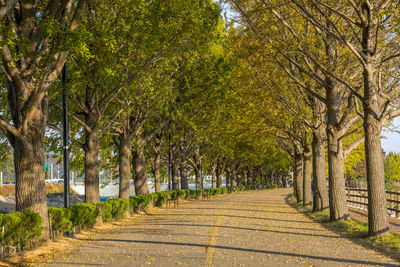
{"points": [[22, 229]]}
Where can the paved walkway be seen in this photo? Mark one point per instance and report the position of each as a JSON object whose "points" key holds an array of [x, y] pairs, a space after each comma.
{"points": [[255, 228]]}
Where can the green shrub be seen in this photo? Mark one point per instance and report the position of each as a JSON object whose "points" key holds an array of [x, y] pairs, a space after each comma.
{"points": [[195, 194], [119, 207], [20, 228], [139, 202], [83, 215], [185, 194], [106, 211], [159, 198], [174, 194], [60, 220]]}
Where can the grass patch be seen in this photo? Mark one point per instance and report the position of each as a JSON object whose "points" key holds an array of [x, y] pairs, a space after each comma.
{"points": [[388, 243]]}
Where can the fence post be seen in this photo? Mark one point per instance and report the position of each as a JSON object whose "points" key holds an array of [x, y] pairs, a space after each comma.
{"points": [[352, 197], [398, 207], [391, 204], [2, 247]]}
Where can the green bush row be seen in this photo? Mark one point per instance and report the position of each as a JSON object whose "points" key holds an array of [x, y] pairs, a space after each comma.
{"points": [[21, 229]]}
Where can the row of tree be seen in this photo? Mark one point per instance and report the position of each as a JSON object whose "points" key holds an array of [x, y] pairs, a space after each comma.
{"points": [[149, 82], [332, 67]]}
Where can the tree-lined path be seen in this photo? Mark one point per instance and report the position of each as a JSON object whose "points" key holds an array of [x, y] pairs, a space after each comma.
{"points": [[257, 228]]}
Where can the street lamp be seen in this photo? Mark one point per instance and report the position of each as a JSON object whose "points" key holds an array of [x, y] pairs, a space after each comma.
{"points": [[65, 136]]}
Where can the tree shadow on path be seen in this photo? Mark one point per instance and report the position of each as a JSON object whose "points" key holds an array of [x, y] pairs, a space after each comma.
{"points": [[248, 229], [332, 259]]}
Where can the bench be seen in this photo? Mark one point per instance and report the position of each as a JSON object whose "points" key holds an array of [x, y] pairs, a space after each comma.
{"points": [[170, 200], [205, 195]]}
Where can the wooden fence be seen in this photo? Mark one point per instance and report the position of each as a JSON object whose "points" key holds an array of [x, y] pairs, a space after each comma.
{"points": [[358, 198]]}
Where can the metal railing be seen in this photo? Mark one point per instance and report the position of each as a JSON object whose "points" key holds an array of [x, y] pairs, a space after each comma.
{"points": [[358, 198]]}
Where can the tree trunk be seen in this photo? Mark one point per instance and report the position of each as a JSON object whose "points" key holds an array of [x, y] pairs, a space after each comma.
{"points": [[218, 173], [197, 174], [337, 193], [174, 175], [184, 175], [377, 216], [319, 179], [30, 192], [92, 163], [234, 176], [140, 179], [245, 178], [298, 176], [228, 177], [213, 170], [249, 177], [124, 166], [307, 196], [157, 163]]}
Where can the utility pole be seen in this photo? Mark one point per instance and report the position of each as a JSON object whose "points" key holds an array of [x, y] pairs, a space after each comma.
{"points": [[65, 136]]}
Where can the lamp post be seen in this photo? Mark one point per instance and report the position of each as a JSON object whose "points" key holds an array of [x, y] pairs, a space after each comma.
{"points": [[65, 136]]}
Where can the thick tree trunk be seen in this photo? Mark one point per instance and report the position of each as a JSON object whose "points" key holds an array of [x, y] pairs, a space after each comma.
{"points": [[298, 176], [174, 175], [249, 177], [307, 195], [140, 178], [124, 166], [30, 192], [157, 163], [337, 193], [238, 178], [184, 174], [218, 173], [377, 216], [245, 178], [234, 177], [213, 171], [197, 174], [228, 177], [319, 178], [92, 163]]}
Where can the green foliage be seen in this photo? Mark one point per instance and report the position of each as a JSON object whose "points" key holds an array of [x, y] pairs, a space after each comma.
{"points": [[159, 198], [83, 215], [60, 220], [392, 167], [106, 211], [140, 202], [195, 194], [21, 228], [119, 207]]}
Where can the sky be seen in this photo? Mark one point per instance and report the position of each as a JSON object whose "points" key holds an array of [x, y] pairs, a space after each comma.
{"points": [[392, 141]]}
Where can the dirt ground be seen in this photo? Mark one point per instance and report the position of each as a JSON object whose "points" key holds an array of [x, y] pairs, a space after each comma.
{"points": [[9, 189], [255, 228]]}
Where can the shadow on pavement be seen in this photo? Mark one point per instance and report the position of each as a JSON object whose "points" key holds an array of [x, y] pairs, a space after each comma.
{"points": [[247, 229], [332, 259]]}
